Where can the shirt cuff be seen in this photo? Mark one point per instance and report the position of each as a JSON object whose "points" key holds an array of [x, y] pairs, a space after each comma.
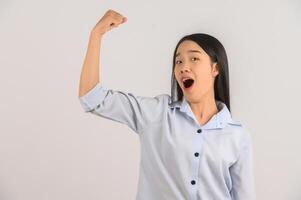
{"points": [[93, 97]]}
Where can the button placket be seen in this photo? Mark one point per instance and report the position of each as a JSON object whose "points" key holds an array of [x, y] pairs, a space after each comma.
{"points": [[196, 154]]}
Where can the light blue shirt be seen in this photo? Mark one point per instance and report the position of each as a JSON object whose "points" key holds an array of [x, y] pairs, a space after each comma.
{"points": [[181, 159]]}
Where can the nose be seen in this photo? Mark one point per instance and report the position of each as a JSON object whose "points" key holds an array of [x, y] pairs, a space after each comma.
{"points": [[185, 69]]}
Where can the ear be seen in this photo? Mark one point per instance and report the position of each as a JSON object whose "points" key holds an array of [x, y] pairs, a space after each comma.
{"points": [[215, 69]]}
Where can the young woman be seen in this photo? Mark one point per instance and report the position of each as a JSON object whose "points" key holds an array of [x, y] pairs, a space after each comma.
{"points": [[191, 147]]}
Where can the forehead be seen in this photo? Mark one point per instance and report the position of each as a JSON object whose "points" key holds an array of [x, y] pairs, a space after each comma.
{"points": [[188, 46]]}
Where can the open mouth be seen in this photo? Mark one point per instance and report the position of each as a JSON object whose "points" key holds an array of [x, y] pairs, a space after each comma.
{"points": [[188, 83]]}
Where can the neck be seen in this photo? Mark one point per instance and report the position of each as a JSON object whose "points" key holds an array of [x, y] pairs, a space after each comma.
{"points": [[205, 108]]}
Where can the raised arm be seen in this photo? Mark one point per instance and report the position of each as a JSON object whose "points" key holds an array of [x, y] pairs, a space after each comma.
{"points": [[91, 69], [121, 106]]}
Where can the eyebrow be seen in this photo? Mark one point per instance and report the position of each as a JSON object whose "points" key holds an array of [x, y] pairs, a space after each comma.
{"points": [[189, 52]]}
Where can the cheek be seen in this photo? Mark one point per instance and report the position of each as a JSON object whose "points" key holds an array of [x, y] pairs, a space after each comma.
{"points": [[204, 78]]}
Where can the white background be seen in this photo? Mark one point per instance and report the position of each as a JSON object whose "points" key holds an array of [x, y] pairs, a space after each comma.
{"points": [[51, 150]]}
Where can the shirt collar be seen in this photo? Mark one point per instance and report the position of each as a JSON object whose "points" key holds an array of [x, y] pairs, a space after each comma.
{"points": [[219, 120]]}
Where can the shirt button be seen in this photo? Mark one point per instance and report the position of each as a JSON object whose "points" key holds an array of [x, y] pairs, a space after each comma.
{"points": [[192, 182], [199, 130], [196, 154]]}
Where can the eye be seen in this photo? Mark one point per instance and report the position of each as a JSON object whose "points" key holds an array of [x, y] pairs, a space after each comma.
{"points": [[192, 58], [177, 61]]}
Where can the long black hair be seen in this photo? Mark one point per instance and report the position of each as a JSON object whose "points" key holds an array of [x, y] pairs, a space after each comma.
{"points": [[217, 53]]}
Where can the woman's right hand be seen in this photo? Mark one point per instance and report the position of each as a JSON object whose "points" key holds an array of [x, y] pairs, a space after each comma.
{"points": [[111, 19]]}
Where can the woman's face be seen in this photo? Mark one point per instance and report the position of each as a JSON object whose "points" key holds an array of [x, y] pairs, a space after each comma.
{"points": [[193, 62]]}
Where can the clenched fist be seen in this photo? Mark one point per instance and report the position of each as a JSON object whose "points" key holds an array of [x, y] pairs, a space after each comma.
{"points": [[111, 19]]}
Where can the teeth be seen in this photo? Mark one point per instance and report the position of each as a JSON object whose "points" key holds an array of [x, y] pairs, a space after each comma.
{"points": [[184, 79]]}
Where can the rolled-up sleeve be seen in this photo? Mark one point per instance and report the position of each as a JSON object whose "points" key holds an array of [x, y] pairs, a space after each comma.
{"points": [[242, 173], [120, 106]]}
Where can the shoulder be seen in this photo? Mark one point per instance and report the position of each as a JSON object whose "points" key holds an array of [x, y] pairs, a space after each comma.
{"points": [[153, 105], [240, 131], [234, 122], [163, 97], [160, 100]]}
